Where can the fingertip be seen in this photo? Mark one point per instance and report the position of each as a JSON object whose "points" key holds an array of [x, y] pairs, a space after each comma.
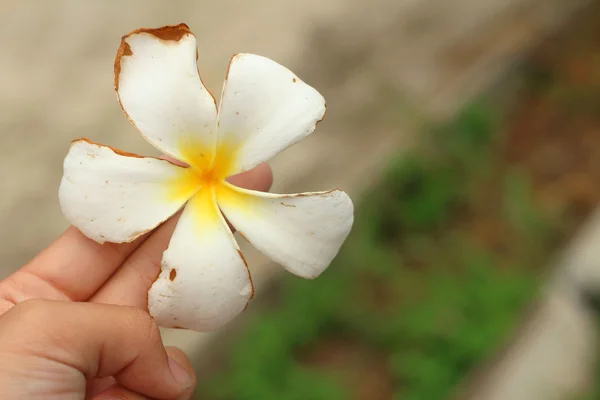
{"points": [[182, 369], [266, 176], [258, 178]]}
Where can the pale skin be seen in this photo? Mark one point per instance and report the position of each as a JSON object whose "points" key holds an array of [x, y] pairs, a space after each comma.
{"points": [[74, 321]]}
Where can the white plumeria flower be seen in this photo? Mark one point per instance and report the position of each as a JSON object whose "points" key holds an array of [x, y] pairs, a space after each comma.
{"points": [[113, 196]]}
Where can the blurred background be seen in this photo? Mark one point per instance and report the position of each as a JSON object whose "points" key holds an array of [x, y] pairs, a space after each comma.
{"points": [[468, 134]]}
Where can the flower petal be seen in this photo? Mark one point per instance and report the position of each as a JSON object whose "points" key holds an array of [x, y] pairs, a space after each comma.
{"points": [[115, 196], [204, 281], [302, 232], [158, 86], [264, 109]]}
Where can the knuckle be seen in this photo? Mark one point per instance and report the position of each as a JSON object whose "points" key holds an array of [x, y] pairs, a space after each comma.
{"points": [[146, 324], [33, 312], [33, 307], [10, 293]]}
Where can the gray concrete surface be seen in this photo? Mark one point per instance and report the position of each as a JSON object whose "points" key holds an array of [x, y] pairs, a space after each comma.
{"points": [[553, 356]]}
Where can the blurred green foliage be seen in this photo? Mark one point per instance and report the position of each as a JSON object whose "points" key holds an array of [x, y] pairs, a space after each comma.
{"points": [[430, 322]]}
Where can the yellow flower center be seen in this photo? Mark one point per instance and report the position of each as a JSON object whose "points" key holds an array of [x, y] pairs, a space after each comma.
{"points": [[206, 174], [209, 169]]}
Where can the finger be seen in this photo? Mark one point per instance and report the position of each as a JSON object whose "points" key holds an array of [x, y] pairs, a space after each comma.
{"points": [[260, 178], [72, 268], [183, 361], [130, 285], [67, 343]]}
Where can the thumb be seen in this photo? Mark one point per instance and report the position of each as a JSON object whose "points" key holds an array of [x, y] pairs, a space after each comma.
{"points": [[50, 348]]}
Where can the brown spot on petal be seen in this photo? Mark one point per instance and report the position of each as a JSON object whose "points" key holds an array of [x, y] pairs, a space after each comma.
{"points": [[287, 205], [249, 275], [294, 80], [178, 327], [172, 274]]}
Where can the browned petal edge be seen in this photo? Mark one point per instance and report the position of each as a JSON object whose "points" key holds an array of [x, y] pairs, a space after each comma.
{"points": [[322, 116], [205, 88], [229, 66], [202, 82], [167, 32], [244, 236], [249, 275], [138, 234], [152, 284], [124, 50], [122, 152], [247, 270], [288, 196], [114, 150]]}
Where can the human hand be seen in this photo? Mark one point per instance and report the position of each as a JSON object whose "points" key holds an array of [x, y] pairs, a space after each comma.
{"points": [[74, 323]]}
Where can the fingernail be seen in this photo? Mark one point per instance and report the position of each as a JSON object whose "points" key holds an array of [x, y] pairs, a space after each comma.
{"points": [[180, 374]]}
